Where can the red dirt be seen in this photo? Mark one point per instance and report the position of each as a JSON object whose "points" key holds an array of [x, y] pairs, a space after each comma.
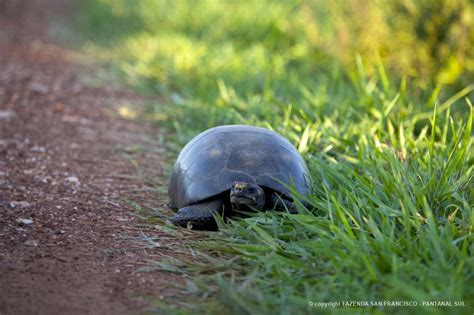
{"points": [[66, 165]]}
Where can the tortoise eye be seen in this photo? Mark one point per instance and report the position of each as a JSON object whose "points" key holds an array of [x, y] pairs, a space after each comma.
{"points": [[252, 189]]}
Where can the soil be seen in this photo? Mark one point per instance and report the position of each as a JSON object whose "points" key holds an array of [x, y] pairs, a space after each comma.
{"points": [[68, 165]]}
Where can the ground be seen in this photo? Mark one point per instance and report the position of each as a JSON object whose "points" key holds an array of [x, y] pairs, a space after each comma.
{"points": [[68, 165]]}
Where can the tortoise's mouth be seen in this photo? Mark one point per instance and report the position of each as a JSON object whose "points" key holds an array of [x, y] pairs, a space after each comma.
{"points": [[242, 200]]}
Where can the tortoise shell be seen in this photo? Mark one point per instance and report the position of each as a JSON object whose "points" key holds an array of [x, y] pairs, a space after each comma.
{"points": [[213, 160]]}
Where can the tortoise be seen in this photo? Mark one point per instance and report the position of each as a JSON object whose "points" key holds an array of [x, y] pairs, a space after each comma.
{"points": [[234, 169]]}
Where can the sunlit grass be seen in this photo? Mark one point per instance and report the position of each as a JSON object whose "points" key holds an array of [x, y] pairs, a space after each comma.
{"points": [[391, 221], [390, 155]]}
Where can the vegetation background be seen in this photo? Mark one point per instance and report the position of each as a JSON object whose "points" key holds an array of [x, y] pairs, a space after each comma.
{"points": [[376, 95]]}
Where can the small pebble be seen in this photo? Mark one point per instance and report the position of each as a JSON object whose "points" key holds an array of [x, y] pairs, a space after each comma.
{"points": [[19, 204], [39, 87], [32, 243], [73, 180], [22, 221], [7, 114], [37, 148]]}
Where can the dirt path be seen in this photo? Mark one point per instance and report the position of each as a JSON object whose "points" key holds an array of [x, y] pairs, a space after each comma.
{"points": [[66, 172]]}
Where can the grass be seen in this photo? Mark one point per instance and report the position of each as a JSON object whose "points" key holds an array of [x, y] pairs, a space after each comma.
{"points": [[390, 156]]}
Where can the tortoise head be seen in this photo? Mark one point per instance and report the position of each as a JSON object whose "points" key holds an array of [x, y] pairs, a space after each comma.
{"points": [[247, 196]]}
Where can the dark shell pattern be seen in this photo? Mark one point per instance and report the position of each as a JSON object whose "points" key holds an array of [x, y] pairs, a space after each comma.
{"points": [[213, 160]]}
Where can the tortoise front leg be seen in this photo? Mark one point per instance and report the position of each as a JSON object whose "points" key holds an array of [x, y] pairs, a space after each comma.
{"points": [[199, 216], [282, 204]]}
